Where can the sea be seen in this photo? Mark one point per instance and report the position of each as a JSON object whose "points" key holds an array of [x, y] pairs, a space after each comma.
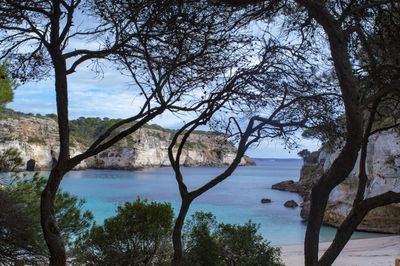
{"points": [[236, 200]]}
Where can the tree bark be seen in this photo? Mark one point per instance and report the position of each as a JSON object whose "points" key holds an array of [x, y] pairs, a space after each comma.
{"points": [[49, 224], [177, 234], [50, 228], [345, 162], [355, 217]]}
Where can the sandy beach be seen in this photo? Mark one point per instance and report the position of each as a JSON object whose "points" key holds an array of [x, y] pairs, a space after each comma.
{"points": [[372, 251]]}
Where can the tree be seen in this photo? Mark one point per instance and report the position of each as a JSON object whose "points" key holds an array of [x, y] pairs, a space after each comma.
{"points": [[241, 245], [344, 23], [10, 160], [6, 86], [348, 27], [201, 247], [21, 234], [153, 40], [271, 99], [137, 235], [304, 153], [209, 243]]}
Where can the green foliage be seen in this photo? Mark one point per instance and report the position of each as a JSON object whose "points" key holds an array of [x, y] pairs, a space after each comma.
{"points": [[304, 153], [380, 64], [10, 160], [241, 245], [201, 245], [137, 235], [130, 141], [6, 86], [21, 233], [52, 116], [87, 130], [40, 116], [209, 243], [309, 172], [9, 113], [33, 139]]}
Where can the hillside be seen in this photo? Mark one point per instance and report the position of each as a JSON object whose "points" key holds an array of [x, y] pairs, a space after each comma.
{"points": [[36, 137]]}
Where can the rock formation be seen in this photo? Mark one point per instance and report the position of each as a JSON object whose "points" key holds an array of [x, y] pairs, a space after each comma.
{"points": [[383, 171], [290, 204], [265, 200], [37, 140]]}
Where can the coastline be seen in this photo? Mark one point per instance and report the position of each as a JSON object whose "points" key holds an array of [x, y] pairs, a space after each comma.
{"points": [[379, 251]]}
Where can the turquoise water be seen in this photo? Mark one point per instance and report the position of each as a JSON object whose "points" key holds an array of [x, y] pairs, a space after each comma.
{"points": [[235, 200]]}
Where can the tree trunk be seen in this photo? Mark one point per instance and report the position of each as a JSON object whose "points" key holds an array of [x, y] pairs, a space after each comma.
{"points": [[346, 160], [177, 234], [50, 228]]}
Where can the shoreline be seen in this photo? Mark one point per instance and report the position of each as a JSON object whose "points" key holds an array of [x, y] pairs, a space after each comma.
{"points": [[375, 251]]}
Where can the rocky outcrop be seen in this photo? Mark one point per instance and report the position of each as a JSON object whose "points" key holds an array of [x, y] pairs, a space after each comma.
{"points": [[37, 140], [290, 204], [383, 171], [308, 177], [265, 200], [149, 148]]}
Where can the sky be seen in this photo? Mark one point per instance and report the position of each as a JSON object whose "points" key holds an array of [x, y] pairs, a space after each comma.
{"points": [[112, 95]]}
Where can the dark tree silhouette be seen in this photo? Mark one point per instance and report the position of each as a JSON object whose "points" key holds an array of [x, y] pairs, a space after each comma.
{"points": [[350, 28], [171, 49], [271, 99]]}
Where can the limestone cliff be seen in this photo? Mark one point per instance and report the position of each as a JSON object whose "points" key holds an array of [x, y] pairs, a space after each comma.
{"points": [[37, 139], [383, 171]]}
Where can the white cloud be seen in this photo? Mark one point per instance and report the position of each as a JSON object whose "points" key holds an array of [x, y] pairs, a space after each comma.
{"points": [[275, 149], [113, 96]]}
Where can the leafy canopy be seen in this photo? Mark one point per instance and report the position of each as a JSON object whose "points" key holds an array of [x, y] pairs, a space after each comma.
{"points": [[137, 235], [21, 236], [10, 160], [209, 243], [6, 86]]}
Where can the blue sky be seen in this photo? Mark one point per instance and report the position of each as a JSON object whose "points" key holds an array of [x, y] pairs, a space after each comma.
{"points": [[113, 95]]}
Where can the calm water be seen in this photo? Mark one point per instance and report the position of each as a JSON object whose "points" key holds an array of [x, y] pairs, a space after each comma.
{"points": [[235, 200]]}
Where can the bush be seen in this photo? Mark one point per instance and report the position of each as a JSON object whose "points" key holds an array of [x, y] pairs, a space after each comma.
{"points": [[201, 247], [241, 245], [21, 236], [10, 160], [7, 85], [138, 235], [209, 243], [304, 153]]}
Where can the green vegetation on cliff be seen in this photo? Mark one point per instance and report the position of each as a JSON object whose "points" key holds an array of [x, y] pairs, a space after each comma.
{"points": [[86, 130]]}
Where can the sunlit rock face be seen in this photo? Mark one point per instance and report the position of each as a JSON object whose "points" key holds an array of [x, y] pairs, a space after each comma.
{"points": [[149, 148], [383, 171], [37, 139]]}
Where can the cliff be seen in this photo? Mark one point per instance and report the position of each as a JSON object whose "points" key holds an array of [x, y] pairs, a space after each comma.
{"points": [[383, 171], [37, 140]]}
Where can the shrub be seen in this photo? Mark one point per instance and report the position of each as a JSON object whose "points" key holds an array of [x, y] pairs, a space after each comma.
{"points": [[36, 140], [241, 245], [304, 153], [21, 236], [10, 160], [137, 235], [209, 243], [201, 246]]}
